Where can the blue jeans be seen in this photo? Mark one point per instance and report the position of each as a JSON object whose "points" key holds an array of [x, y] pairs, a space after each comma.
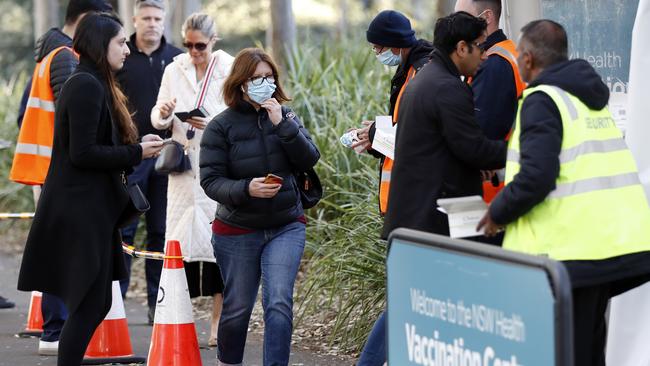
{"points": [[374, 352], [274, 256], [154, 187], [54, 315]]}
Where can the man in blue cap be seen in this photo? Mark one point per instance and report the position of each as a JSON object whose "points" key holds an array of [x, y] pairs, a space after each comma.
{"points": [[394, 43]]}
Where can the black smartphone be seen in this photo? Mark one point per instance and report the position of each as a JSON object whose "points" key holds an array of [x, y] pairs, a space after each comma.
{"points": [[198, 112]]}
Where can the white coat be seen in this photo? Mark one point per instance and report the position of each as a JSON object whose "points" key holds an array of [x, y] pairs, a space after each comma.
{"points": [[189, 210]]}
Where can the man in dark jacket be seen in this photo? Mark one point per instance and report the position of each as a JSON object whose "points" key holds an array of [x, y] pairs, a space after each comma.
{"points": [[394, 44], [497, 85], [140, 79], [440, 149], [494, 85], [573, 182], [62, 66]]}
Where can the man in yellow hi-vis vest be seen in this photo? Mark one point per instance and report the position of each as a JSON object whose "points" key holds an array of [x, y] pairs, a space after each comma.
{"points": [[573, 191]]}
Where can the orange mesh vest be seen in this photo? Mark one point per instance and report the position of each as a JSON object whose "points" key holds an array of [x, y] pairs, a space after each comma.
{"points": [[387, 165], [34, 146], [507, 50]]}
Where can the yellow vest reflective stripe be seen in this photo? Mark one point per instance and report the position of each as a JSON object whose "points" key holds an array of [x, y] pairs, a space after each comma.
{"points": [[387, 165], [34, 146], [598, 209]]}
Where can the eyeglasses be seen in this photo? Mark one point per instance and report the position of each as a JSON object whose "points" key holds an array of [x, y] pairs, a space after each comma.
{"points": [[257, 81], [377, 50], [199, 46], [481, 46]]}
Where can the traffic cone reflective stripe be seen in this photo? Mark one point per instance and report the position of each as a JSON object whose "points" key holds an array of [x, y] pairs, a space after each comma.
{"points": [[173, 341], [111, 342], [34, 326]]}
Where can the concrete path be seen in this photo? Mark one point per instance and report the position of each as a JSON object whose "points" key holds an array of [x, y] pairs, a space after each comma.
{"points": [[16, 351]]}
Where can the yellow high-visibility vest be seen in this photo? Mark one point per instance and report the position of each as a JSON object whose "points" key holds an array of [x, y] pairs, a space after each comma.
{"points": [[598, 209]]}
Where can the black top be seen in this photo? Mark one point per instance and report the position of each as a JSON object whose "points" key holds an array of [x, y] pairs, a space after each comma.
{"points": [[240, 144], [495, 92], [439, 150], [140, 80]]}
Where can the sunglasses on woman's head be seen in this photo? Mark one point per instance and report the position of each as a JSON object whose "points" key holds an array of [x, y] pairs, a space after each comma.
{"points": [[199, 46]]}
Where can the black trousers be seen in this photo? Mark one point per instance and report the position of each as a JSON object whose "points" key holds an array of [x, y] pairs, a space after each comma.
{"points": [[589, 328], [82, 322]]}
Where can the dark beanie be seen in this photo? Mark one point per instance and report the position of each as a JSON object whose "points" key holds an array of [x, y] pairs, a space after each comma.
{"points": [[391, 28]]}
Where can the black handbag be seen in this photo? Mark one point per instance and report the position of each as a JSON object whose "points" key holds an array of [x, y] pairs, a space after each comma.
{"points": [[172, 159], [138, 204], [311, 191]]}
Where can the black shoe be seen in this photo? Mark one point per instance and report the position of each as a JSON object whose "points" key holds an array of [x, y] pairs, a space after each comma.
{"points": [[150, 315], [6, 304]]}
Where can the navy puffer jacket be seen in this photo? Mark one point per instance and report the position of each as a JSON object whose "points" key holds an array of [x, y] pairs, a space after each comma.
{"points": [[240, 144]]}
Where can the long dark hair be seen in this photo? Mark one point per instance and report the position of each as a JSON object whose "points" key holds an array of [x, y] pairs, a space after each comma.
{"points": [[91, 40]]}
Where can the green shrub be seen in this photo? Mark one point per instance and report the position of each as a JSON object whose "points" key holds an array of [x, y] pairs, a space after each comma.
{"points": [[335, 88], [14, 197]]}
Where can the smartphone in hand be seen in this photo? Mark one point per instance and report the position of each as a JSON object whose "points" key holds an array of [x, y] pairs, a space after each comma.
{"points": [[198, 112], [273, 179]]}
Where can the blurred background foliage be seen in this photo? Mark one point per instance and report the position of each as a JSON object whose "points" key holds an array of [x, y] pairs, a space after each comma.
{"points": [[335, 82]]}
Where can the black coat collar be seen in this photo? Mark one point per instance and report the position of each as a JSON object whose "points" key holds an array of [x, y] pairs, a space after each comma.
{"points": [[439, 57]]}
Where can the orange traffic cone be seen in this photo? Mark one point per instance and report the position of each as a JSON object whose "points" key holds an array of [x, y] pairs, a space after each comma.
{"points": [[173, 341], [111, 343], [34, 326]]}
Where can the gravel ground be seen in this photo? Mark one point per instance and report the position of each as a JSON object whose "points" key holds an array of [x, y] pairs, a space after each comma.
{"points": [[310, 333]]}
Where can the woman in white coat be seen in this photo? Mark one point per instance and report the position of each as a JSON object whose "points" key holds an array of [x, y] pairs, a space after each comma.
{"points": [[189, 210]]}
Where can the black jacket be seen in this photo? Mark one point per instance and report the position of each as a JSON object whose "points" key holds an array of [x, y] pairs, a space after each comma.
{"points": [[63, 63], [439, 150], [240, 144], [417, 58], [495, 93], [74, 241], [540, 145], [140, 80]]}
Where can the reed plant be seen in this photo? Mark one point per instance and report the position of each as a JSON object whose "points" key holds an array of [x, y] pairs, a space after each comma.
{"points": [[335, 87], [14, 197]]}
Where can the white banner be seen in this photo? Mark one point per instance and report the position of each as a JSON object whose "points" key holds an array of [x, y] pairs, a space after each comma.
{"points": [[629, 325]]}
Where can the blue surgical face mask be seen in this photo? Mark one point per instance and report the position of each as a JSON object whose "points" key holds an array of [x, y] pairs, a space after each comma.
{"points": [[260, 93], [388, 58]]}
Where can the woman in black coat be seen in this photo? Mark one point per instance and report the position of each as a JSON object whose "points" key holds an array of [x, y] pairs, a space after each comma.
{"points": [[74, 248], [259, 228]]}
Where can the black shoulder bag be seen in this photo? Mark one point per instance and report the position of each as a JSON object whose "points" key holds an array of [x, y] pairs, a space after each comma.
{"points": [[311, 191]]}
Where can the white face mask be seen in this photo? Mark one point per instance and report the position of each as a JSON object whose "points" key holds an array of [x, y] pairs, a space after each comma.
{"points": [[262, 91], [388, 58]]}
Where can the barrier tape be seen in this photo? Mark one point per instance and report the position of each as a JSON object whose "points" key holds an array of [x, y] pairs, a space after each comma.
{"points": [[14, 216], [130, 250]]}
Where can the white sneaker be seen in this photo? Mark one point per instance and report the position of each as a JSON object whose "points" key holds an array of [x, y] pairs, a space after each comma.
{"points": [[48, 348]]}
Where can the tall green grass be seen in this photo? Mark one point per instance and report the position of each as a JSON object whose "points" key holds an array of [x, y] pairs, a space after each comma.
{"points": [[335, 87], [13, 197]]}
